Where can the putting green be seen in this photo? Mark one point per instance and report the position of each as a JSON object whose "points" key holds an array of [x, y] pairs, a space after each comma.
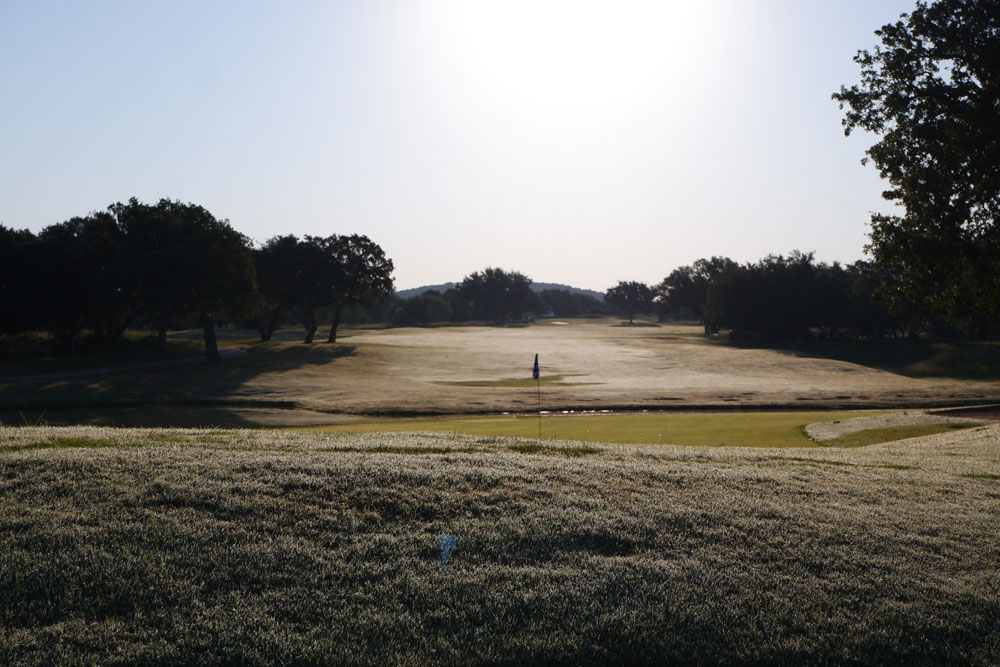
{"points": [[734, 429], [555, 380]]}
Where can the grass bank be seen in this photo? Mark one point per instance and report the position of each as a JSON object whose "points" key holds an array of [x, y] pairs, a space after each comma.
{"points": [[959, 361], [176, 546]]}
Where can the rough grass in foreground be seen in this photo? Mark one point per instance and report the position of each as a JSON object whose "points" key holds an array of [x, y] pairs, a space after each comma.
{"points": [[269, 547]]}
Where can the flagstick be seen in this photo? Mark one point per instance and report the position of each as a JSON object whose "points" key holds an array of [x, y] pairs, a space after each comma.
{"points": [[538, 386]]}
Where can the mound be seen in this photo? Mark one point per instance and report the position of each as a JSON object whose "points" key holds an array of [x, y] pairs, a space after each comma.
{"points": [[262, 546]]}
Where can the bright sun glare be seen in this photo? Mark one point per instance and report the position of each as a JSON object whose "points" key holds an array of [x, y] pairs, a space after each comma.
{"points": [[580, 55]]}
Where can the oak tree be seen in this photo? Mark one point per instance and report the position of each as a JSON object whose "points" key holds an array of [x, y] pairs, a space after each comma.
{"points": [[931, 92]]}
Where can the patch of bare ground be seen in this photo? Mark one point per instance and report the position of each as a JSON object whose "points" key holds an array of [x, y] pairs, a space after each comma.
{"points": [[263, 547]]}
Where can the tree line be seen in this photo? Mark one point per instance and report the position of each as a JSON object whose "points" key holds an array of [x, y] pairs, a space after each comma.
{"points": [[929, 91], [152, 264], [778, 298], [493, 295], [792, 297]]}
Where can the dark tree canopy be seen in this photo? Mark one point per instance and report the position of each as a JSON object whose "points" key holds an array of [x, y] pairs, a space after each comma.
{"points": [[931, 93], [792, 297], [169, 262], [563, 303], [687, 286], [279, 279], [497, 295], [20, 296], [425, 309], [360, 275], [630, 299], [182, 259], [315, 276]]}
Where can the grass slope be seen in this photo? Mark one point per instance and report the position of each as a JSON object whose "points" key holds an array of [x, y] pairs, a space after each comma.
{"points": [[876, 435], [263, 547], [962, 361], [733, 429]]}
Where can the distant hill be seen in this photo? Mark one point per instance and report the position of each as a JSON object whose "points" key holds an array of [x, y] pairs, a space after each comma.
{"points": [[541, 287], [538, 287], [417, 291]]}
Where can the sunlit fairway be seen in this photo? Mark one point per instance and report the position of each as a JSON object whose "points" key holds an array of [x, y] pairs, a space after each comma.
{"points": [[733, 429]]}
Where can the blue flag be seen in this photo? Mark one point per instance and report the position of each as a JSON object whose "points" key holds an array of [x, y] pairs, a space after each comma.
{"points": [[534, 370]]}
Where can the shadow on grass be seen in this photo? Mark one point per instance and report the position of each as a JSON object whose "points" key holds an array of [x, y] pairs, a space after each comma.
{"points": [[30, 354], [183, 394], [957, 361]]}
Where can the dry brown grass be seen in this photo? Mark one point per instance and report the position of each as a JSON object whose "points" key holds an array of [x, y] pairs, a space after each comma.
{"points": [[171, 546], [428, 371]]}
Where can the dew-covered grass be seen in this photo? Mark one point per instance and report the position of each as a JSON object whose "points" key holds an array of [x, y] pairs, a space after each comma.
{"points": [[126, 546], [873, 436]]}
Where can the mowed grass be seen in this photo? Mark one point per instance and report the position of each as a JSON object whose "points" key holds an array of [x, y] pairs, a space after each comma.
{"points": [[874, 436], [555, 380], [123, 546], [731, 429]]}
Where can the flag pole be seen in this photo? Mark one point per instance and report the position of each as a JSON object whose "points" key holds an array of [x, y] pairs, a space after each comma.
{"points": [[538, 386], [536, 374]]}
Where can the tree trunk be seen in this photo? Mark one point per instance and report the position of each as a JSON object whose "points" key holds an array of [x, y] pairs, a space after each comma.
{"points": [[117, 330], [262, 331], [336, 322], [211, 346], [310, 320], [272, 323], [161, 334]]}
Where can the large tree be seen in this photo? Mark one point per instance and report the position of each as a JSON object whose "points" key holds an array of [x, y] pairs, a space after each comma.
{"points": [[155, 260], [360, 275], [777, 298], [931, 92], [497, 295], [185, 260], [687, 286], [83, 283], [279, 277], [630, 298]]}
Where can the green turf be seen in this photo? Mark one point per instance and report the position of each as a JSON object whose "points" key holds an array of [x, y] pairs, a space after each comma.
{"points": [[874, 436], [555, 380], [737, 429]]}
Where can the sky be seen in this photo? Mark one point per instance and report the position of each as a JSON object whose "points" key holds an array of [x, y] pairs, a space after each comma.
{"points": [[575, 141]]}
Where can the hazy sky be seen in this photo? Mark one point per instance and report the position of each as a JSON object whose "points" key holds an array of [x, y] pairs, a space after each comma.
{"points": [[577, 142]]}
